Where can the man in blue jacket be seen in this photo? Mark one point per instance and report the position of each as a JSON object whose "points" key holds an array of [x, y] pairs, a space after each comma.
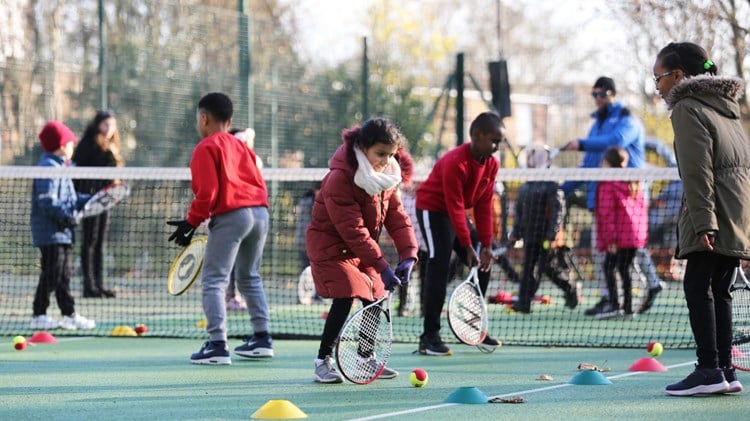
{"points": [[614, 125]]}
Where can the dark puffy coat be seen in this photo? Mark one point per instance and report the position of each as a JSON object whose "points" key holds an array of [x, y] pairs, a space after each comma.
{"points": [[53, 205], [342, 239]]}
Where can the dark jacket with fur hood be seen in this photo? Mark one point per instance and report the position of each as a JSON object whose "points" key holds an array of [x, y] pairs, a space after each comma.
{"points": [[713, 158]]}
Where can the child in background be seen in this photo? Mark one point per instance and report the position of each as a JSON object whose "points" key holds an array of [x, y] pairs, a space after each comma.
{"points": [[621, 228], [540, 211], [229, 190], [357, 200], [53, 207]]}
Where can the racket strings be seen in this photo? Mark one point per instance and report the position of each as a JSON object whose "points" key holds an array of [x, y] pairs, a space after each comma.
{"points": [[105, 199], [368, 332], [466, 314], [741, 328], [364, 345], [186, 267]]}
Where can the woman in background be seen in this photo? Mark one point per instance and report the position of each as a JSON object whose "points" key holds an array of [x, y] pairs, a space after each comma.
{"points": [[99, 147]]}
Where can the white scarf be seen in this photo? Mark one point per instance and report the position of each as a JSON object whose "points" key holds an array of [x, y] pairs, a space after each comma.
{"points": [[374, 182]]}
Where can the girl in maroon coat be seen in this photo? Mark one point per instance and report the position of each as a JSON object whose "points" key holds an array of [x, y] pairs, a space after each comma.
{"points": [[358, 198], [621, 229]]}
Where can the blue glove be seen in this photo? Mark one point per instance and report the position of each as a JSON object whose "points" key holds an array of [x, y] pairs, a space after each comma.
{"points": [[183, 234], [403, 270], [390, 280]]}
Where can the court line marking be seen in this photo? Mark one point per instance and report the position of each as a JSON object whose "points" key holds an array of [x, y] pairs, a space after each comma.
{"points": [[504, 395]]}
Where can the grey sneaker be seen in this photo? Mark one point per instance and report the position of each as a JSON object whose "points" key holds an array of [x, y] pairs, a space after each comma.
{"points": [[325, 372], [388, 373]]}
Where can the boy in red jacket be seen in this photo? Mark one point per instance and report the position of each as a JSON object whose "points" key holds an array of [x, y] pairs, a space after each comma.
{"points": [[229, 190], [464, 178]]}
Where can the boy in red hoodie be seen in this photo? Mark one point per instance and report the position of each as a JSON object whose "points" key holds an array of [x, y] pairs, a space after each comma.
{"points": [[230, 190], [464, 178]]}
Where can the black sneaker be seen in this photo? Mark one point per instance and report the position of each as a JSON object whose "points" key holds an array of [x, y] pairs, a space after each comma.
{"points": [[212, 352], [489, 344], [433, 345], [648, 302], [256, 347], [596, 309], [700, 381], [731, 377], [609, 311]]}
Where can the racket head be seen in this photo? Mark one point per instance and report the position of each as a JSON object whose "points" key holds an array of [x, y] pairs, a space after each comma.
{"points": [[105, 199], [740, 291], [364, 344], [552, 152], [306, 287], [186, 267], [467, 311]]}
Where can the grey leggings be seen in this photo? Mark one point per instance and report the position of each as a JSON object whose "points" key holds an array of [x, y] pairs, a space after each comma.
{"points": [[236, 239]]}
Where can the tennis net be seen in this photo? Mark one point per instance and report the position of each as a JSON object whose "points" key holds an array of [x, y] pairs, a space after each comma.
{"points": [[137, 258]]}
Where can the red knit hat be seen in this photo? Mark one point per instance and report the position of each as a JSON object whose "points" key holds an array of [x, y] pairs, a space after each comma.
{"points": [[55, 135]]}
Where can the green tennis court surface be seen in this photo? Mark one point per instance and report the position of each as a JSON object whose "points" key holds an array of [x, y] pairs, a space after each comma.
{"points": [[151, 378]]}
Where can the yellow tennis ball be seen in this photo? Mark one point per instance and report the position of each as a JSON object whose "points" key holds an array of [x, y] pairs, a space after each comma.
{"points": [[656, 349], [418, 377], [18, 339]]}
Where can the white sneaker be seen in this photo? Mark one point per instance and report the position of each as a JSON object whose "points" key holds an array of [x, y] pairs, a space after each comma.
{"points": [[75, 321], [43, 322]]}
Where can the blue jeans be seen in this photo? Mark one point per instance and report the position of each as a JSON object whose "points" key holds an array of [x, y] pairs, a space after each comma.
{"points": [[235, 239]]}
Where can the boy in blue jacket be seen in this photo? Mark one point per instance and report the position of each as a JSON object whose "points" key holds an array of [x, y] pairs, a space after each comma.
{"points": [[53, 216]]}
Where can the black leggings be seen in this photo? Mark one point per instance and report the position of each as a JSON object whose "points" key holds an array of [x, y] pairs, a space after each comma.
{"points": [[535, 254], [337, 316], [440, 236], [708, 277], [94, 230], [622, 261]]}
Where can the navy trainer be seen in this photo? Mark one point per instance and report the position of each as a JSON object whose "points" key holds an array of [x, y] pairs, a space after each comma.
{"points": [[731, 377], [212, 352], [700, 381], [256, 347]]}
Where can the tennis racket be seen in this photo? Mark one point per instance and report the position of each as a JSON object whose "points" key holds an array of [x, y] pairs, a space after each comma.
{"points": [[104, 200], [552, 152], [186, 267], [740, 291], [467, 311], [306, 287], [364, 344]]}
